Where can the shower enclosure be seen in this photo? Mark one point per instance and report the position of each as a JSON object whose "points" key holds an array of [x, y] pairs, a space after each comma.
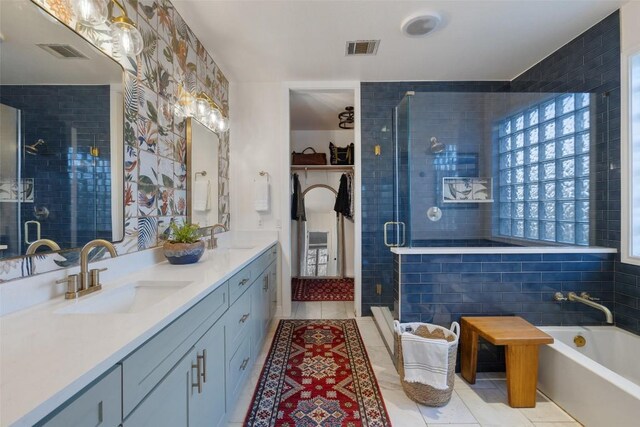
{"points": [[492, 169], [482, 177]]}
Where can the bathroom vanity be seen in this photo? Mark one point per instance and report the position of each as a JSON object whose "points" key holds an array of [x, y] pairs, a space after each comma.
{"points": [[167, 345]]}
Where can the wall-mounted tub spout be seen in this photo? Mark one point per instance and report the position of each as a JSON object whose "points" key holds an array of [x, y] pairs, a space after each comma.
{"points": [[587, 299]]}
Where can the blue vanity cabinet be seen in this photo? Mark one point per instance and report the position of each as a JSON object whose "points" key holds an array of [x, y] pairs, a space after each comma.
{"points": [[167, 404], [207, 405], [100, 405]]}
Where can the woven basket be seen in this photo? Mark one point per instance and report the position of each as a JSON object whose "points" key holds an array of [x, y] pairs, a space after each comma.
{"points": [[423, 393]]}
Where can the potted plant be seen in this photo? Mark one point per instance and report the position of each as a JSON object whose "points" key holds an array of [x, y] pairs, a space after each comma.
{"points": [[184, 245]]}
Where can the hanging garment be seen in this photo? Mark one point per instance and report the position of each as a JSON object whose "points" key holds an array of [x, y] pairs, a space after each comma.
{"points": [[297, 201], [343, 202], [350, 184]]}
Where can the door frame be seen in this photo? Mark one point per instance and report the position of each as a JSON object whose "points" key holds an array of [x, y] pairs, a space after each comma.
{"points": [[285, 202]]}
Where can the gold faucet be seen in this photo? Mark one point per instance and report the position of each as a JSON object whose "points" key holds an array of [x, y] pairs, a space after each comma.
{"points": [[213, 243], [42, 242], [90, 280]]}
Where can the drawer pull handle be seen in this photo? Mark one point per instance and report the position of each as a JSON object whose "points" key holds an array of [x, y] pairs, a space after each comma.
{"points": [[244, 318], [265, 286], [204, 365], [245, 362], [243, 282], [198, 369]]}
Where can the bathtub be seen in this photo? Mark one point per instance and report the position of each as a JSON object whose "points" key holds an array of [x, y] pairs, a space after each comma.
{"points": [[597, 384]]}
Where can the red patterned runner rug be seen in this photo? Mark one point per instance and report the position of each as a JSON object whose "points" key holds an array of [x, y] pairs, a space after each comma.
{"points": [[339, 289], [317, 374]]}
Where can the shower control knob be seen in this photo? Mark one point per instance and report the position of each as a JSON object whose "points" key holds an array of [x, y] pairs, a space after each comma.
{"points": [[558, 296]]}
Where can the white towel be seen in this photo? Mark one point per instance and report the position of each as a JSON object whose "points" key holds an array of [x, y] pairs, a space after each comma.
{"points": [[201, 195], [426, 361], [261, 194]]}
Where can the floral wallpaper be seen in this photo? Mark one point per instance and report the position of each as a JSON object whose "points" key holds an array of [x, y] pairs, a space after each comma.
{"points": [[173, 60]]}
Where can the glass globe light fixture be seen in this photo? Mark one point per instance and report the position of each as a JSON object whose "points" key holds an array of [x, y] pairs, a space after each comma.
{"points": [[223, 125], [126, 36], [91, 12], [203, 109], [214, 118]]}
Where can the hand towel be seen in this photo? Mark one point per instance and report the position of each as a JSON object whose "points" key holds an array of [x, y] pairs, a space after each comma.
{"points": [[261, 194], [201, 195], [426, 361]]}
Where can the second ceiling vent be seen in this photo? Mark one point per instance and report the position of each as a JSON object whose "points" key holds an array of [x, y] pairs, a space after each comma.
{"points": [[362, 47]]}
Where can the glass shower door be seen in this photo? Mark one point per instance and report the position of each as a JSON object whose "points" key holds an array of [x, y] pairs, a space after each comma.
{"points": [[397, 232], [11, 186]]}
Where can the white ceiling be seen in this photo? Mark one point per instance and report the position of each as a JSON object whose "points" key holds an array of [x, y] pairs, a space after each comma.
{"points": [[264, 40], [318, 110], [22, 26]]}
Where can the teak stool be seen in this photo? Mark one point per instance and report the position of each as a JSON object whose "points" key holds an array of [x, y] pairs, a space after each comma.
{"points": [[521, 339]]}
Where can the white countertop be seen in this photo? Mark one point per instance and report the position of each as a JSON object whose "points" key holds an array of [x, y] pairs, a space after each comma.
{"points": [[45, 358]]}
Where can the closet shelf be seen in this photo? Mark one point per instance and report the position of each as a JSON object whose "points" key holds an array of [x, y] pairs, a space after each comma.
{"points": [[337, 168]]}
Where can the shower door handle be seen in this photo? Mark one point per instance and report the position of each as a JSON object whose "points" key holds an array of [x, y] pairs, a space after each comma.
{"points": [[26, 231], [386, 233]]}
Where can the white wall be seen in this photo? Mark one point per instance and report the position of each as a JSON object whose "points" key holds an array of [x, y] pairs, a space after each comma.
{"points": [[630, 44]]}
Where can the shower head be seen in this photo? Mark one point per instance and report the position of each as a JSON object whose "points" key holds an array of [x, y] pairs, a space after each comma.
{"points": [[436, 146], [33, 148]]}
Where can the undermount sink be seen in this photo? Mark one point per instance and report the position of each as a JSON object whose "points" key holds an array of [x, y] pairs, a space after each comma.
{"points": [[130, 298]]}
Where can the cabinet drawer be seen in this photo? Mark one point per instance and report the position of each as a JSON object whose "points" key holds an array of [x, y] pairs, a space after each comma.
{"points": [[238, 368], [240, 282], [238, 319], [99, 405], [146, 366]]}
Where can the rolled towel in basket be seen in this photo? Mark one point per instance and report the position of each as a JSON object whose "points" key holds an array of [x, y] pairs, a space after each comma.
{"points": [[426, 361]]}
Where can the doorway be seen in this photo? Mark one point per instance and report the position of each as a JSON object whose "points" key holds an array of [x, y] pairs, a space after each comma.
{"points": [[323, 220]]}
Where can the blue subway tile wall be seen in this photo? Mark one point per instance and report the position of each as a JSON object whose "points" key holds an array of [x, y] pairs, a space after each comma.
{"points": [[70, 119], [442, 298]]}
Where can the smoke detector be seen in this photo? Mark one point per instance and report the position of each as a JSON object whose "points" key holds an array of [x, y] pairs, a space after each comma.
{"points": [[420, 25]]}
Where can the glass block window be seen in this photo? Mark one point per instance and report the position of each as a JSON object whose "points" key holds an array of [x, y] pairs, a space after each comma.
{"points": [[543, 171]]}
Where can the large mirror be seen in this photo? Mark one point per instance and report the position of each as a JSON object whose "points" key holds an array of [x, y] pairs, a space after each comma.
{"points": [[61, 121], [202, 156], [321, 234]]}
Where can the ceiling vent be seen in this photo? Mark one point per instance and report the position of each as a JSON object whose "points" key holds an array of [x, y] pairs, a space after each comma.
{"points": [[362, 47], [63, 51]]}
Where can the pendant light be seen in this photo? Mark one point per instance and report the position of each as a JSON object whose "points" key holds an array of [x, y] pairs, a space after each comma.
{"points": [[91, 12], [125, 34]]}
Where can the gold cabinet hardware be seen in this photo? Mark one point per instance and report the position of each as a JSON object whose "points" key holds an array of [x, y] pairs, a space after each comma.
{"points": [[204, 365], [244, 318], [245, 362], [198, 368], [265, 280], [243, 282], [579, 341]]}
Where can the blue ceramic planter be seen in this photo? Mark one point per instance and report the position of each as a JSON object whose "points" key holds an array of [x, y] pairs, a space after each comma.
{"points": [[183, 253]]}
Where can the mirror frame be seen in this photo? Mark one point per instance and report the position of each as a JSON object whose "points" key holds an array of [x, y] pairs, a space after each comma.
{"points": [[122, 147]]}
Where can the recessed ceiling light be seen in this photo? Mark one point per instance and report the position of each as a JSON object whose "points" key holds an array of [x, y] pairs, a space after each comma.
{"points": [[420, 25]]}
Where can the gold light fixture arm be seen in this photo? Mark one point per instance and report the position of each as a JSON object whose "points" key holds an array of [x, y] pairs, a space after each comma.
{"points": [[123, 17]]}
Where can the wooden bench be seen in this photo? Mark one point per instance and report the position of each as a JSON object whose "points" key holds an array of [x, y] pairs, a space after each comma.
{"points": [[521, 339]]}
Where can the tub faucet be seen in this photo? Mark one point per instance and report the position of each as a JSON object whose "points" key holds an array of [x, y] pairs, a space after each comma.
{"points": [[587, 299]]}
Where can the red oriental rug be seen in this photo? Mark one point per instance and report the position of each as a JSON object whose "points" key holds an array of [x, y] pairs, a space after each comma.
{"points": [[317, 374], [339, 289]]}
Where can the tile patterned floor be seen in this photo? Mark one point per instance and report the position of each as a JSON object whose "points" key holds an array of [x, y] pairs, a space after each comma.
{"points": [[481, 404]]}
